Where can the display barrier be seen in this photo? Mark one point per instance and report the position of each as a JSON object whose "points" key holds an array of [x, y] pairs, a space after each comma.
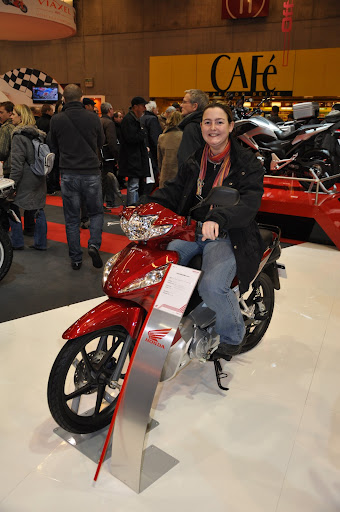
{"points": [[129, 463], [284, 195]]}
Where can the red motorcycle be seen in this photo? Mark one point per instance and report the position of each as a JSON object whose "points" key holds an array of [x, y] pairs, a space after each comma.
{"points": [[88, 373], [16, 3]]}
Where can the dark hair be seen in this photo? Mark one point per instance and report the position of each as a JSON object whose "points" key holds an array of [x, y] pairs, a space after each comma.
{"points": [[221, 105], [46, 108], [275, 109], [8, 106]]}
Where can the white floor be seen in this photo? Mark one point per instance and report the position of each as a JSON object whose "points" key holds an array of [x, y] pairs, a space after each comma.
{"points": [[269, 444]]}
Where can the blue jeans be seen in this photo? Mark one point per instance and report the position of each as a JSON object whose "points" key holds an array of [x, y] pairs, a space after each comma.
{"points": [[40, 229], [132, 194], [218, 269], [74, 189]]}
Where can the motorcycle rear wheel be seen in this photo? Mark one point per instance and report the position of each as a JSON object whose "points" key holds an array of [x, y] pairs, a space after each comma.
{"points": [[322, 166], [6, 253], [256, 330], [79, 397]]}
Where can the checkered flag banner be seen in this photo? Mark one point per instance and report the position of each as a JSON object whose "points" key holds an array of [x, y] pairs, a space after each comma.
{"points": [[24, 79]]}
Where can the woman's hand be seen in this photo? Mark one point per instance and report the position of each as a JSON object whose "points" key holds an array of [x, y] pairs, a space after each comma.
{"points": [[210, 230]]}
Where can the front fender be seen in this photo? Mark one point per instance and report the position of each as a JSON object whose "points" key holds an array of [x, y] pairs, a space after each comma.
{"points": [[111, 312]]}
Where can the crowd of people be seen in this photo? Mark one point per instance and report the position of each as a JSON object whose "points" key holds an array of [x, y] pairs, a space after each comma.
{"points": [[97, 154], [174, 158]]}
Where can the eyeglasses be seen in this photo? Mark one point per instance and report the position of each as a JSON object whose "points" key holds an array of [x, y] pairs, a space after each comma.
{"points": [[185, 101]]}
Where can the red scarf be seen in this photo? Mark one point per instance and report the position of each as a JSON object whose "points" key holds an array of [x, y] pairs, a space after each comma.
{"points": [[223, 158]]}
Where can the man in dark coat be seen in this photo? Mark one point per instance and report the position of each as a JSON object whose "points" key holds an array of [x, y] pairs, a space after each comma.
{"points": [[274, 115], [133, 155], [76, 136], [109, 154], [43, 123], [193, 103]]}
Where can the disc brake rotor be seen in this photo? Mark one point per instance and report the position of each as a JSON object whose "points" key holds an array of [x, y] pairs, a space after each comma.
{"points": [[80, 374]]}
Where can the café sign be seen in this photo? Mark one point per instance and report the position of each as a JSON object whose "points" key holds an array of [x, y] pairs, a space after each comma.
{"points": [[252, 74]]}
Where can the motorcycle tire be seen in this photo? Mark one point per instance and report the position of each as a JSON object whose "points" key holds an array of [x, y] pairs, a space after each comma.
{"points": [[6, 253], [323, 168], [78, 394], [256, 330], [23, 8]]}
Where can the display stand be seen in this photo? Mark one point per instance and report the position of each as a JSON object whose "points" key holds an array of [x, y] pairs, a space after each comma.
{"points": [[129, 463], [285, 196]]}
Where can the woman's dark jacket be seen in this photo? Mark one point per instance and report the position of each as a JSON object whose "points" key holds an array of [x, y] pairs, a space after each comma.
{"points": [[30, 188], [133, 155], [246, 175]]}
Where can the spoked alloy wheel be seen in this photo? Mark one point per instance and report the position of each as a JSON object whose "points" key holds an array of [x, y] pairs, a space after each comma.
{"points": [[81, 395], [256, 330], [6, 253]]}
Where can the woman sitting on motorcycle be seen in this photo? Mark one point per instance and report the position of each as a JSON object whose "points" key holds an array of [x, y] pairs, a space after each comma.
{"points": [[228, 239]]}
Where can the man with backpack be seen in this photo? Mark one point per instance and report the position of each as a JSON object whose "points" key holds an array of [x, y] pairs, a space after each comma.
{"points": [[75, 136]]}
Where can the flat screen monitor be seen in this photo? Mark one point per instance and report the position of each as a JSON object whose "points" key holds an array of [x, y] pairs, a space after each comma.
{"points": [[45, 94]]}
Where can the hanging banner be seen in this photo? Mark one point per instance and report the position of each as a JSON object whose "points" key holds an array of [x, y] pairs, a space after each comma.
{"points": [[237, 9], [286, 27], [36, 20]]}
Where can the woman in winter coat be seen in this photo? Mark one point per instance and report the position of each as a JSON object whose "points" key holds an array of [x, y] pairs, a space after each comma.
{"points": [[168, 144], [228, 238], [30, 188]]}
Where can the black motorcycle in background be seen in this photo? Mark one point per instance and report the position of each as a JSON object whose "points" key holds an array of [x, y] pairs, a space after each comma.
{"points": [[289, 151], [6, 250]]}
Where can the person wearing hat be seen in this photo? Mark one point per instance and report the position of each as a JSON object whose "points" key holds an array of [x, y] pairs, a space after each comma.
{"points": [[89, 104], [177, 106], [133, 155]]}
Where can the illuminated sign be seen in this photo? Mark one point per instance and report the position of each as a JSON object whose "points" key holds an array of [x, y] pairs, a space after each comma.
{"points": [[236, 9]]}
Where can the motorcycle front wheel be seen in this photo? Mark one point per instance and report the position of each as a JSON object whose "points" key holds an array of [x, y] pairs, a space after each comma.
{"points": [[81, 395], [256, 330], [6, 253]]}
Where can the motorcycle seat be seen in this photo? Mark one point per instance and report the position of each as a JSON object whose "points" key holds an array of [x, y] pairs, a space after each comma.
{"points": [[283, 135], [267, 236]]}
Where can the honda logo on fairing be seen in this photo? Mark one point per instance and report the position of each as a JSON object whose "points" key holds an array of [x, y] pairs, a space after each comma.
{"points": [[156, 335]]}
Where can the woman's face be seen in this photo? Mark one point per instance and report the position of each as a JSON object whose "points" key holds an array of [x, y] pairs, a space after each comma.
{"points": [[16, 118], [216, 129]]}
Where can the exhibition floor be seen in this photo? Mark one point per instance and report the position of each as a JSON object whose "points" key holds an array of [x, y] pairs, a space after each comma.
{"points": [[269, 444]]}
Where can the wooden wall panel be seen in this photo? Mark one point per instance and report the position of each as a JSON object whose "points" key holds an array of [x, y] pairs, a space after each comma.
{"points": [[115, 39]]}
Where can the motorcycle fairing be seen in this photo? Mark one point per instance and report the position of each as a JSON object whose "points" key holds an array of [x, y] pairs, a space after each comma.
{"points": [[111, 312]]}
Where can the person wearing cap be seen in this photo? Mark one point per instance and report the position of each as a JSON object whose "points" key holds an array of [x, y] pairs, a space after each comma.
{"points": [[133, 155], [89, 104], [193, 104], [177, 106]]}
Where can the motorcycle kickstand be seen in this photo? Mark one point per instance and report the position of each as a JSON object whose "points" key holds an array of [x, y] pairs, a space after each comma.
{"points": [[220, 374]]}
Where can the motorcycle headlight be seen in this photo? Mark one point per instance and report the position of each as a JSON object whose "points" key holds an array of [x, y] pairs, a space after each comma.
{"points": [[108, 267], [141, 227], [151, 278]]}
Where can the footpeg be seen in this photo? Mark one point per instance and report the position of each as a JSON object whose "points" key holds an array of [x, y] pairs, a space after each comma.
{"points": [[220, 374]]}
